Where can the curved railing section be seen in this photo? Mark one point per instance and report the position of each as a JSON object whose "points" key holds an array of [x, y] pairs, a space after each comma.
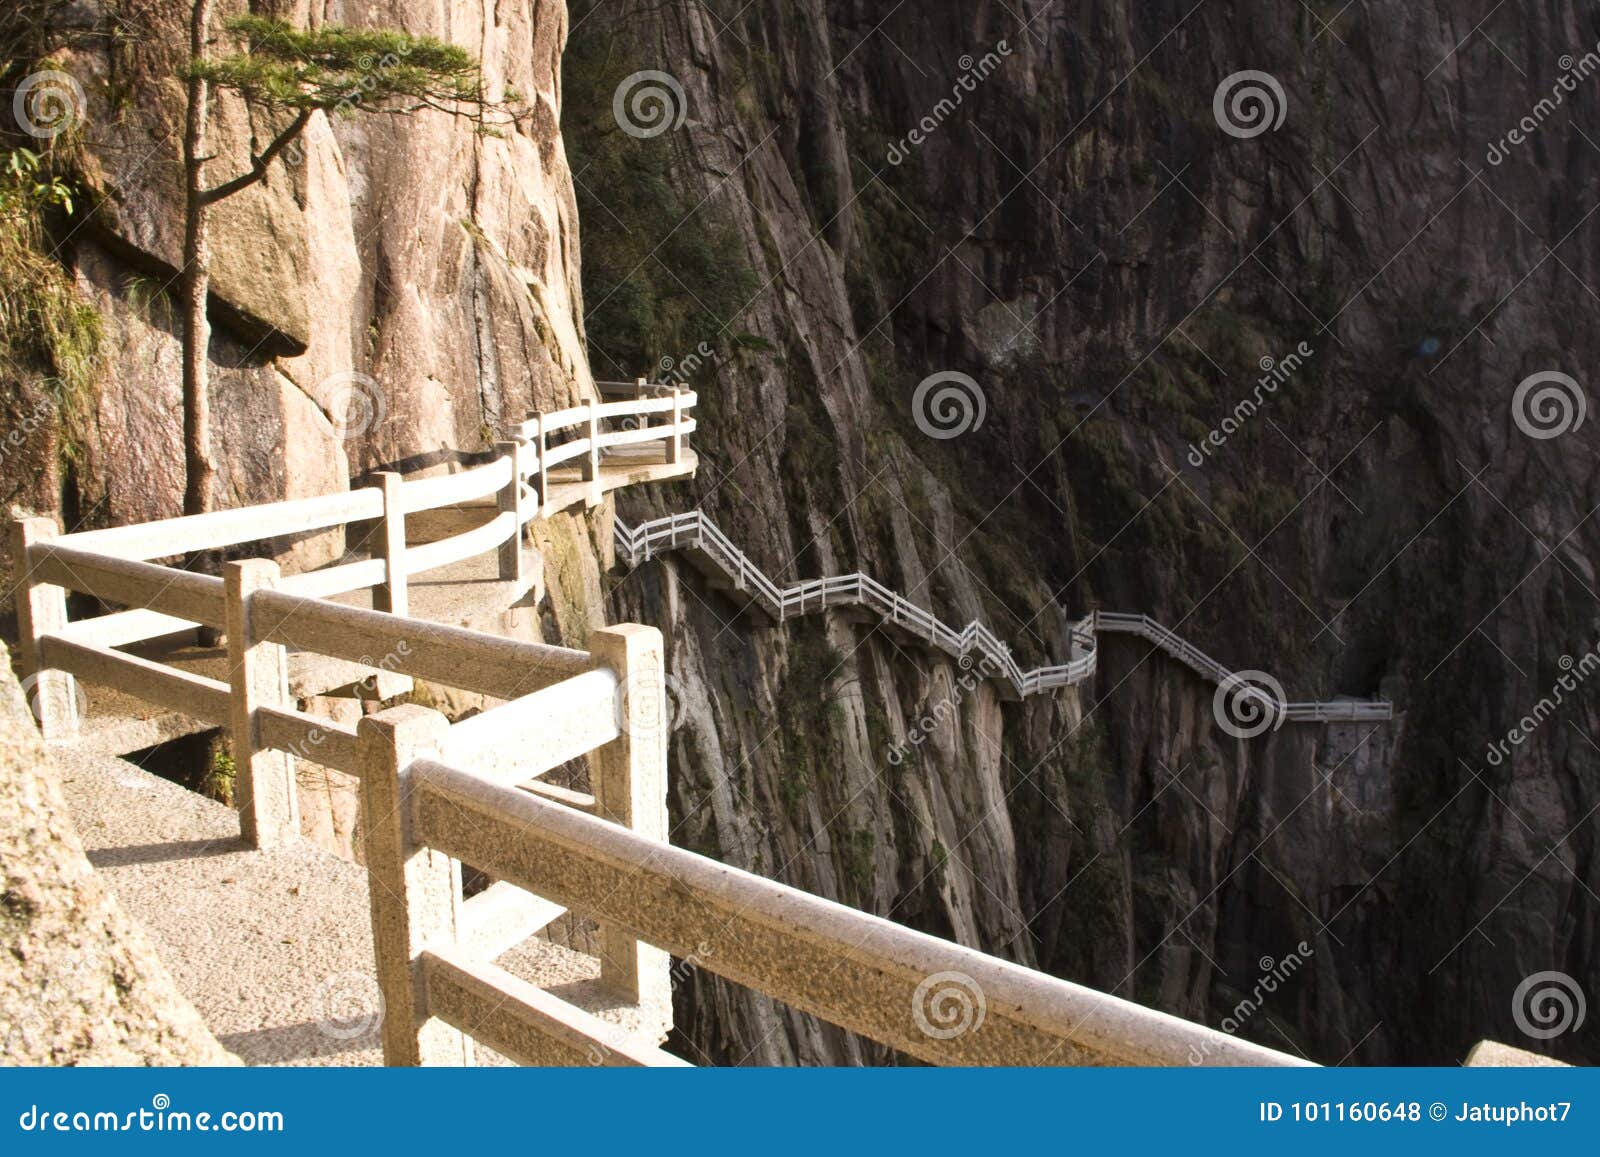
{"points": [[114, 564], [695, 532]]}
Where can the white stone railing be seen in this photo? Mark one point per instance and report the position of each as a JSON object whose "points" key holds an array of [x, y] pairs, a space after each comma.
{"points": [[694, 531], [435, 794], [924, 996], [263, 612]]}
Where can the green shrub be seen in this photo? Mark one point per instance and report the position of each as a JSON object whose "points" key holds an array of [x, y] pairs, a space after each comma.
{"points": [[48, 333]]}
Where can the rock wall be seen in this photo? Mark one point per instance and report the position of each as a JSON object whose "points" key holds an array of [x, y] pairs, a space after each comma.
{"points": [[396, 292], [1073, 229]]}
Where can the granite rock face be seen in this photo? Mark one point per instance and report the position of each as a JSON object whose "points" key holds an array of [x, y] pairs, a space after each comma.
{"points": [[1075, 229], [79, 981], [394, 294]]}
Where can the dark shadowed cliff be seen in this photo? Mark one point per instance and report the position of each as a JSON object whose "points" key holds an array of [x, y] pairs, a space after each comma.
{"points": [[1078, 234]]}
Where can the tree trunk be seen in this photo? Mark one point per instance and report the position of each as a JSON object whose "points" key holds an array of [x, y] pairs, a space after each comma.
{"points": [[198, 470]]}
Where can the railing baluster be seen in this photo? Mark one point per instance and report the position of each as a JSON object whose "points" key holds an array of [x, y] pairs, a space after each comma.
{"points": [[414, 892], [674, 449], [41, 609], [264, 783], [630, 789], [544, 467], [391, 595], [509, 500], [591, 460]]}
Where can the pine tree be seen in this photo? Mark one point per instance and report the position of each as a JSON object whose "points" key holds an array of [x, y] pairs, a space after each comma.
{"points": [[336, 70]]}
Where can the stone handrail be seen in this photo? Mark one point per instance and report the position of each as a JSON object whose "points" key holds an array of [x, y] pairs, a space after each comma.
{"points": [[694, 531], [265, 613], [922, 995]]}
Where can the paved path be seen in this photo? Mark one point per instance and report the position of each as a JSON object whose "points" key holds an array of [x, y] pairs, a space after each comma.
{"points": [[274, 949]]}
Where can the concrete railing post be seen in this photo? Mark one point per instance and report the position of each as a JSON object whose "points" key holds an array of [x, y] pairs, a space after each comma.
{"points": [[42, 608], [414, 892], [675, 439], [391, 596], [591, 460], [630, 788], [510, 500], [263, 786]]}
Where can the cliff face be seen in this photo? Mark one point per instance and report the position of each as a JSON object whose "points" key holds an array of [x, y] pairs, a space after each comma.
{"points": [[397, 291], [1073, 229]]}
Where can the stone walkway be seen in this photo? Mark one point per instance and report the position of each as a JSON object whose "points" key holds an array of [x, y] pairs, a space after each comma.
{"points": [[273, 949]]}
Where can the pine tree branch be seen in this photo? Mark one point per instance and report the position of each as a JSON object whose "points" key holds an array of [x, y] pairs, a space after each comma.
{"points": [[260, 163]]}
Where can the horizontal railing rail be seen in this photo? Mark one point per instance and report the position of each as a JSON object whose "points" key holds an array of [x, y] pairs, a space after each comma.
{"points": [[694, 531]]}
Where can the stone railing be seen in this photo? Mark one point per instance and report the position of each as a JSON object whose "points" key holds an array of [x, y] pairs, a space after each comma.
{"points": [[263, 613], [442, 804], [434, 794], [700, 538]]}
